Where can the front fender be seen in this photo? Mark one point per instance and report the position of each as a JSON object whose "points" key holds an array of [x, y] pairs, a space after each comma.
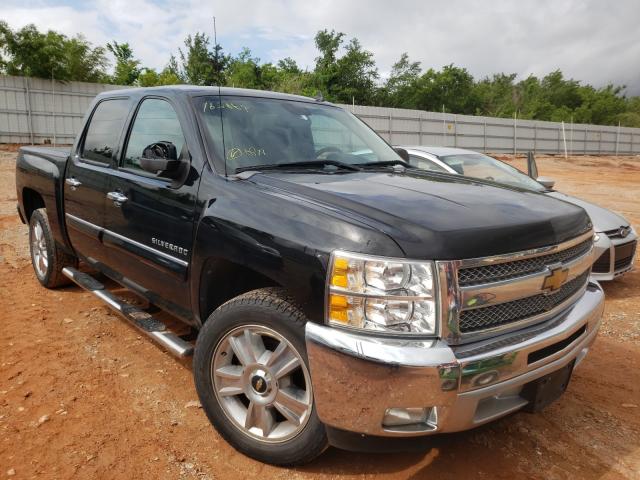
{"points": [[286, 240]]}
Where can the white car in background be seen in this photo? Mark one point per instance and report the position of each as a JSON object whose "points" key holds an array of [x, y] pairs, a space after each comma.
{"points": [[615, 240]]}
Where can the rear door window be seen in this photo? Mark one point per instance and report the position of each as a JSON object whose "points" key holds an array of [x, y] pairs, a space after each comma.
{"points": [[103, 133]]}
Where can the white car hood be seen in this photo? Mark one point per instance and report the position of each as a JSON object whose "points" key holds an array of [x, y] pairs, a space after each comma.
{"points": [[602, 218]]}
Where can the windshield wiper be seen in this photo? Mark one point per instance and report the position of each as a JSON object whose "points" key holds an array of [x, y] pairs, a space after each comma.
{"points": [[305, 164]]}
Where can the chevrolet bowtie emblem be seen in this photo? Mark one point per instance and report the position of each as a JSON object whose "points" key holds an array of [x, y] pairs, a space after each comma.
{"points": [[555, 279]]}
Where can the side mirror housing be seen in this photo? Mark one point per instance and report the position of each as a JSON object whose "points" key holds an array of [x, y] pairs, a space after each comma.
{"points": [[161, 159], [404, 155], [546, 182]]}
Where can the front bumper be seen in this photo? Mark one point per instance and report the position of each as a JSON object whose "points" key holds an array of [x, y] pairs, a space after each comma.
{"points": [[608, 245], [357, 377]]}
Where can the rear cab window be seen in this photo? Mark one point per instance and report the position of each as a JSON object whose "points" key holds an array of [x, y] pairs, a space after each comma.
{"points": [[103, 133]]}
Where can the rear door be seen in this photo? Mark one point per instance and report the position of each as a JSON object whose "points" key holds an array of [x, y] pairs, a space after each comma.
{"points": [[150, 220], [87, 177]]}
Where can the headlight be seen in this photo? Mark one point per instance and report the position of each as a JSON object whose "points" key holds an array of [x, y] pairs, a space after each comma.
{"points": [[381, 294]]}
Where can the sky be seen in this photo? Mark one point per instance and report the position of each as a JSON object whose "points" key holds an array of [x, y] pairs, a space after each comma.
{"points": [[594, 41]]}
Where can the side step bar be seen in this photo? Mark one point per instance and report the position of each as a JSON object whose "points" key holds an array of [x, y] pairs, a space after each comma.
{"points": [[151, 327]]}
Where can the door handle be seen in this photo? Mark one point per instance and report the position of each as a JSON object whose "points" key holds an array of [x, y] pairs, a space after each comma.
{"points": [[73, 183], [117, 198]]}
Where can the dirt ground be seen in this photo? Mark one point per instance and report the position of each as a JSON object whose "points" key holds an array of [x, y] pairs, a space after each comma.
{"points": [[83, 396]]}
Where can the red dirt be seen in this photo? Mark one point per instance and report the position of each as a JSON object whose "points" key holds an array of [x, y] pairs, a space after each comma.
{"points": [[82, 395]]}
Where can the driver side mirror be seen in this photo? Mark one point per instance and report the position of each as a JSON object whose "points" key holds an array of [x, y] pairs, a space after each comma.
{"points": [[404, 155], [546, 182], [161, 159]]}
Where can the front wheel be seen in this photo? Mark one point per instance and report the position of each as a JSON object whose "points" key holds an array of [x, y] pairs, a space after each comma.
{"points": [[251, 373]]}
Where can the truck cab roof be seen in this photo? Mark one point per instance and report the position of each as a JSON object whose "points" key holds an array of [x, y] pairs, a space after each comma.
{"points": [[197, 90]]}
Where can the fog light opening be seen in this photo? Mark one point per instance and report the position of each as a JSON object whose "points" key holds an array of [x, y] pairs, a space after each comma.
{"points": [[410, 419]]}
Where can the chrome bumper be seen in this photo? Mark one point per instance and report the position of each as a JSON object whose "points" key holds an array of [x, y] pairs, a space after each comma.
{"points": [[356, 377]]}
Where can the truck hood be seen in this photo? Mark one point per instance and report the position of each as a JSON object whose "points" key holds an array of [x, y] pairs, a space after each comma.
{"points": [[438, 216], [602, 218]]}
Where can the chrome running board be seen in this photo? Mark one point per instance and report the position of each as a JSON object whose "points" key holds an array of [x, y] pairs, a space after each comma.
{"points": [[143, 321]]}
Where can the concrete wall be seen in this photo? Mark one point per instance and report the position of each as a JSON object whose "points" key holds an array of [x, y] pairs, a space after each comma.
{"points": [[416, 127], [34, 110]]}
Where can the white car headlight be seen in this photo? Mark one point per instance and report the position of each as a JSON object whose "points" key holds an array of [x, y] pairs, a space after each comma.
{"points": [[381, 294]]}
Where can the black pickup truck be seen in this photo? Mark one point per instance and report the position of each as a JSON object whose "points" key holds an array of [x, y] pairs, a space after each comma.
{"points": [[335, 295]]}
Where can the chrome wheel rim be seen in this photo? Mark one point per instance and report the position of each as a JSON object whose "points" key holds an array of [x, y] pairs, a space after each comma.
{"points": [[39, 250], [262, 383]]}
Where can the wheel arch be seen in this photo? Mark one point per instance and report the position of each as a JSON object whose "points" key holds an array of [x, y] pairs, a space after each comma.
{"points": [[221, 280], [31, 200]]}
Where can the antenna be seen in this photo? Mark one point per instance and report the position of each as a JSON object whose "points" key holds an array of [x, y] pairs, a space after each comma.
{"points": [[215, 35], [215, 49]]}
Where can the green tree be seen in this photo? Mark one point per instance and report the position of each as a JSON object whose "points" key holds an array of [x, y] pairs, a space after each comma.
{"points": [[495, 95], [200, 64], [244, 71], [168, 76], [453, 88], [127, 68], [346, 78], [398, 91], [83, 62], [30, 52]]}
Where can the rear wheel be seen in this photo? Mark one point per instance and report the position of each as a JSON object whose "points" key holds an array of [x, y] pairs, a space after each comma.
{"points": [[253, 380], [47, 257]]}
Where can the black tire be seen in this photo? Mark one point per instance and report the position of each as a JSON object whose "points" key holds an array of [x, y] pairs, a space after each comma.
{"points": [[50, 275], [273, 309]]}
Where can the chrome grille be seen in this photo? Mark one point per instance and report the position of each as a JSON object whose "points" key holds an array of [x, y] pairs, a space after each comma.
{"points": [[484, 297], [497, 315], [505, 271]]}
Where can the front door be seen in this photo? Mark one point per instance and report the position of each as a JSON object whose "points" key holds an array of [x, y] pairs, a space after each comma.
{"points": [[87, 178], [149, 220]]}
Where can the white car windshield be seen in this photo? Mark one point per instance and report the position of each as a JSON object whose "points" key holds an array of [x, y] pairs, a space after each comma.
{"points": [[484, 167]]}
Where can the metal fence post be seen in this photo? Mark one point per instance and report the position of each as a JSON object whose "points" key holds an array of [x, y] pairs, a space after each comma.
{"points": [[586, 136], [28, 105], [444, 129], [617, 137], [571, 138], [484, 147], [600, 142], [419, 129], [515, 134], [390, 129], [455, 130], [535, 138], [53, 109]]}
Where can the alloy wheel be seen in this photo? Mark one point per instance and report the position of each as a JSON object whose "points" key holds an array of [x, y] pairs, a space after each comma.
{"points": [[262, 383]]}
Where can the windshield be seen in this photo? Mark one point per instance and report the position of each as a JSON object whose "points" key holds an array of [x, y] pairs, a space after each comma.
{"points": [[250, 131], [481, 166]]}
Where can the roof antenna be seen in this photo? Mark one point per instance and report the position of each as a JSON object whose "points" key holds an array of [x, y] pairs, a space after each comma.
{"points": [[215, 49], [215, 46]]}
